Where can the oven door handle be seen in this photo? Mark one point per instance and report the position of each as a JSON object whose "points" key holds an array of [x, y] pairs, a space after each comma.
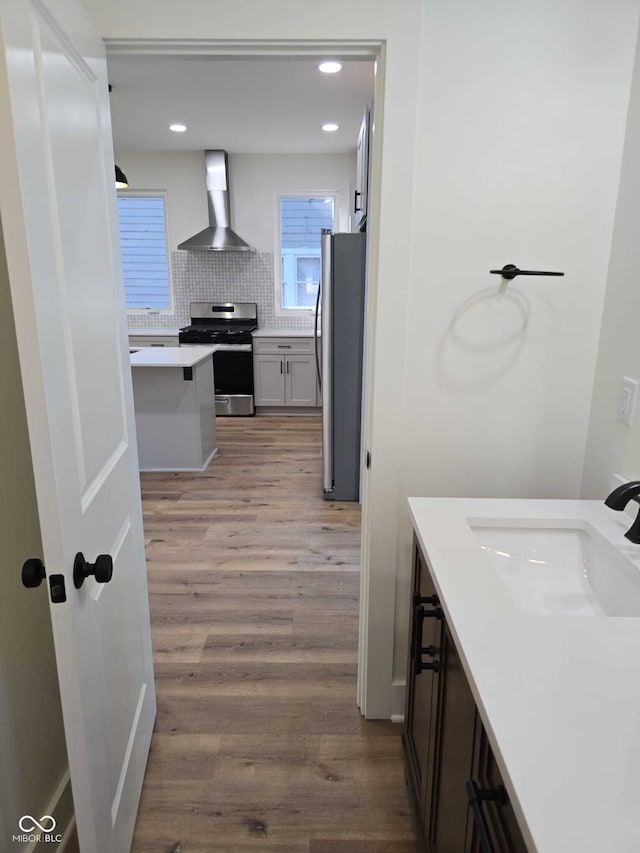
{"points": [[232, 348]]}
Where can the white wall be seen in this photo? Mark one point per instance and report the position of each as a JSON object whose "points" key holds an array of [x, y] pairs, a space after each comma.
{"points": [[501, 142], [255, 178], [520, 164], [33, 755], [613, 448], [181, 174]]}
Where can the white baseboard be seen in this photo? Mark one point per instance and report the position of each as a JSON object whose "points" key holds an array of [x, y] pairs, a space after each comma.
{"points": [[398, 691], [181, 470], [60, 807], [68, 835], [290, 411]]}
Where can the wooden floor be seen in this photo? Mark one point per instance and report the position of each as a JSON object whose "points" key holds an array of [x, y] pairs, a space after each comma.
{"points": [[253, 582]]}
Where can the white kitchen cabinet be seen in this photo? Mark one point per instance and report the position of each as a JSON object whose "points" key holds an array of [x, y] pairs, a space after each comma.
{"points": [[155, 340], [361, 193], [284, 371], [268, 380], [300, 380]]}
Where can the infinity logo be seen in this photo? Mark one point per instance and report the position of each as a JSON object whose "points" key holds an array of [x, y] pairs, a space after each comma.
{"points": [[28, 823]]}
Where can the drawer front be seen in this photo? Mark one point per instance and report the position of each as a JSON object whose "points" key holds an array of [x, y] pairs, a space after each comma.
{"points": [[153, 341], [495, 818], [284, 346]]}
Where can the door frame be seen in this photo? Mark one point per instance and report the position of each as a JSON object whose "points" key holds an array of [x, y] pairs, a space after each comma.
{"points": [[374, 602]]}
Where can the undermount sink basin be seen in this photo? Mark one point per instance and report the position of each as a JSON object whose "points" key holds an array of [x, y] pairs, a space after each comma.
{"points": [[570, 570]]}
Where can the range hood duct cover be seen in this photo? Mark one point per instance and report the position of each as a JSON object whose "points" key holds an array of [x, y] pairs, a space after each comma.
{"points": [[219, 236]]}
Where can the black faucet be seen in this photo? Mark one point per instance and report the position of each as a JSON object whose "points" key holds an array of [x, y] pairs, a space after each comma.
{"points": [[619, 498]]}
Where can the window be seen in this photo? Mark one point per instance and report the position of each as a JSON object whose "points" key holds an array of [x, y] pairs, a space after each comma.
{"points": [[300, 220], [145, 260]]}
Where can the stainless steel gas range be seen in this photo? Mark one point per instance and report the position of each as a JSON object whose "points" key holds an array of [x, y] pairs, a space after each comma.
{"points": [[228, 325]]}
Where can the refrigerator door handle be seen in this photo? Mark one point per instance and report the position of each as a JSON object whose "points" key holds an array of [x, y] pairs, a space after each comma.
{"points": [[315, 336], [327, 335]]}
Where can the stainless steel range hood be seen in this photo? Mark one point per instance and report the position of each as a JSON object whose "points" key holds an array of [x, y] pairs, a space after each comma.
{"points": [[219, 236]]}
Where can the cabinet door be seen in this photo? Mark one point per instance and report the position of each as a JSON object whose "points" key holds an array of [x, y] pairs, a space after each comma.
{"points": [[300, 380], [362, 171], [422, 691], [453, 759], [495, 815], [268, 377]]}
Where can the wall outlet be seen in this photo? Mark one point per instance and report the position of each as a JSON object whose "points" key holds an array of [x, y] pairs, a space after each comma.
{"points": [[627, 400]]}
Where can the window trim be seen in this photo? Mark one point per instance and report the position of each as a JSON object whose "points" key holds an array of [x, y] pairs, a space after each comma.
{"points": [[145, 312], [280, 311]]}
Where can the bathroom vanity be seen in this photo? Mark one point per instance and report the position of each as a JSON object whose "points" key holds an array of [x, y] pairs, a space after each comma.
{"points": [[522, 717]]}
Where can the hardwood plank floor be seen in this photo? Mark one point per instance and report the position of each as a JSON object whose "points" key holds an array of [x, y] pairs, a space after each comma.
{"points": [[254, 584]]}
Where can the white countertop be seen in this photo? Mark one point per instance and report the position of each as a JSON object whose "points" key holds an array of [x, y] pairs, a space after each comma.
{"points": [[156, 333], [559, 695], [283, 333], [171, 356]]}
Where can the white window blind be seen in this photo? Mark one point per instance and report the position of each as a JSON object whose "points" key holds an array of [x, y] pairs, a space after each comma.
{"points": [[143, 241]]}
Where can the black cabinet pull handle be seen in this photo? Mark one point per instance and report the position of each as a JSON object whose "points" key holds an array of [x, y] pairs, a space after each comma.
{"points": [[425, 599], [476, 797], [417, 649], [356, 208], [510, 271], [102, 569]]}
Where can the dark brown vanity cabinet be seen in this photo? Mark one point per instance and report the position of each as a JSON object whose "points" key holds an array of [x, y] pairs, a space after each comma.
{"points": [[497, 819], [460, 801]]}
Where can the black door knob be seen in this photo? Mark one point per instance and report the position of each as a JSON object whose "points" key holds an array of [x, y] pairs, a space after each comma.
{"points": [[102, 569], [33, 573]]}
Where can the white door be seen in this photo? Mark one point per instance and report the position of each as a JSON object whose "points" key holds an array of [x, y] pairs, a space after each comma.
{"points": [[57, 206]]}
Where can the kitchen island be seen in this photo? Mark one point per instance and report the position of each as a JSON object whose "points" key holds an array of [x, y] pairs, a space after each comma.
{"points": [[174, 404]]}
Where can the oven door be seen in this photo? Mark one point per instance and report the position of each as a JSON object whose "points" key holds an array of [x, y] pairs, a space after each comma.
{"points": [[233, 379]]}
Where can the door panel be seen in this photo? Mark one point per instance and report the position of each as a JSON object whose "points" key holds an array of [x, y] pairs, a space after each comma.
{"points": [[89, 321], [499, 817], [421, 710], [268, 372], [300, 380], [455, 736], [57, 205]]}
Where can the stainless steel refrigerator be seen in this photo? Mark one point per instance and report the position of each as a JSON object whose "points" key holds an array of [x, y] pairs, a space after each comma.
{"points": [[339, 348]]}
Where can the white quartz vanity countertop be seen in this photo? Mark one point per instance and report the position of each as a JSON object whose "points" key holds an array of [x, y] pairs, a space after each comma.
{"points": [[559, 695], [283, 333], [171, 356], [155, 333]]}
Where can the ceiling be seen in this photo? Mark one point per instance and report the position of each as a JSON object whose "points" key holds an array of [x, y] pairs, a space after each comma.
{"points": [[245, 106]]}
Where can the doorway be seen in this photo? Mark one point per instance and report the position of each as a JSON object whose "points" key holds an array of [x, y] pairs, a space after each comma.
{"points": [[123, 51], [254, 587]]}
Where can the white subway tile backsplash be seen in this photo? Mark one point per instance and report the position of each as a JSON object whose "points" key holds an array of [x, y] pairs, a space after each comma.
{"points": [[221, 276]]}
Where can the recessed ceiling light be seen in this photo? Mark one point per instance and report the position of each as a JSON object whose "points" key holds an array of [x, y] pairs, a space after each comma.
{"points": [[330, 128], [178, 128], [329, 67]]}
